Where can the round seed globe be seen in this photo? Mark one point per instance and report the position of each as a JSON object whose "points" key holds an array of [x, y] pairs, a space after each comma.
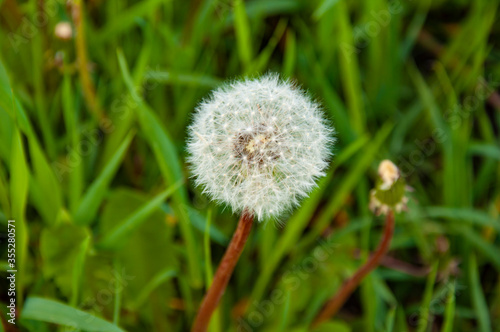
{"points": [[259, 144]]}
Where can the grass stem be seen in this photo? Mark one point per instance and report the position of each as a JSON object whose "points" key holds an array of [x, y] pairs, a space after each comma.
{"points": [[81, 50]]}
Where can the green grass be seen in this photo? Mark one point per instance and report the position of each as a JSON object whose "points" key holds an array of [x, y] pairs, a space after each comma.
{"points": [[111, 233]]}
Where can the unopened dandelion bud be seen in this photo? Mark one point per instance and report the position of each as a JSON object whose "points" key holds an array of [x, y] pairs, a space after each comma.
{"points": [[390, 190], [388, 172], [63, 31]]}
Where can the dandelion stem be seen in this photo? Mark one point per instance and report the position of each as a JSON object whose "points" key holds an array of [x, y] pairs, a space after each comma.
{"points": [[336, 302], [224, 272]]}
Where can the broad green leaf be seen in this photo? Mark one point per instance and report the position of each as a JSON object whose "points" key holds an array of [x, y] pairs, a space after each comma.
{"points": [[157, 280], [60, 249], [153, 238]]}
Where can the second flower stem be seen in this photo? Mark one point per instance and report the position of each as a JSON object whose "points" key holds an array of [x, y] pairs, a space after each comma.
{"points": [[336, 302], [224, 272]]}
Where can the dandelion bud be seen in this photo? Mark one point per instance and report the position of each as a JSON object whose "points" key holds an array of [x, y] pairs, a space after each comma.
{"points": [[259, 144], [63, 31], [388, 172], [390, 190]]}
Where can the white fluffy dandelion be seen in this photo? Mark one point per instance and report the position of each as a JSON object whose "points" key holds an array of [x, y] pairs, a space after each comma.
{"points": [[259, 144]]}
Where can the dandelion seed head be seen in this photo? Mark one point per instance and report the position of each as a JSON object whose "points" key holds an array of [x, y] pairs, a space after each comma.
{"points": [[260, 156]]}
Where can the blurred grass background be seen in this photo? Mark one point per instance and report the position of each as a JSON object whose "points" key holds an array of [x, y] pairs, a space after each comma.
{"points": [[111, 235]]}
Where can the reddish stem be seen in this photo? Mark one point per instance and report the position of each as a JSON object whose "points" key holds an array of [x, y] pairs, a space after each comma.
{"points": [[224, 272], [336, 302]]}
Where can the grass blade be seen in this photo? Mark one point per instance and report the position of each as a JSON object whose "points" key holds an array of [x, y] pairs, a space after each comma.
{"points": [[170, 166], [19, 197], [242, 27], [93, 197], [423, 319], [449, 313], [478, 300], [51, 311], [350, 70], [111, 239], [125, 20]]}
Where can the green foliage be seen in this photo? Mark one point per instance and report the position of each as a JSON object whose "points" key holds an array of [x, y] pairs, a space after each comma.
{"points": [[60, 247], [111, 234]]}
